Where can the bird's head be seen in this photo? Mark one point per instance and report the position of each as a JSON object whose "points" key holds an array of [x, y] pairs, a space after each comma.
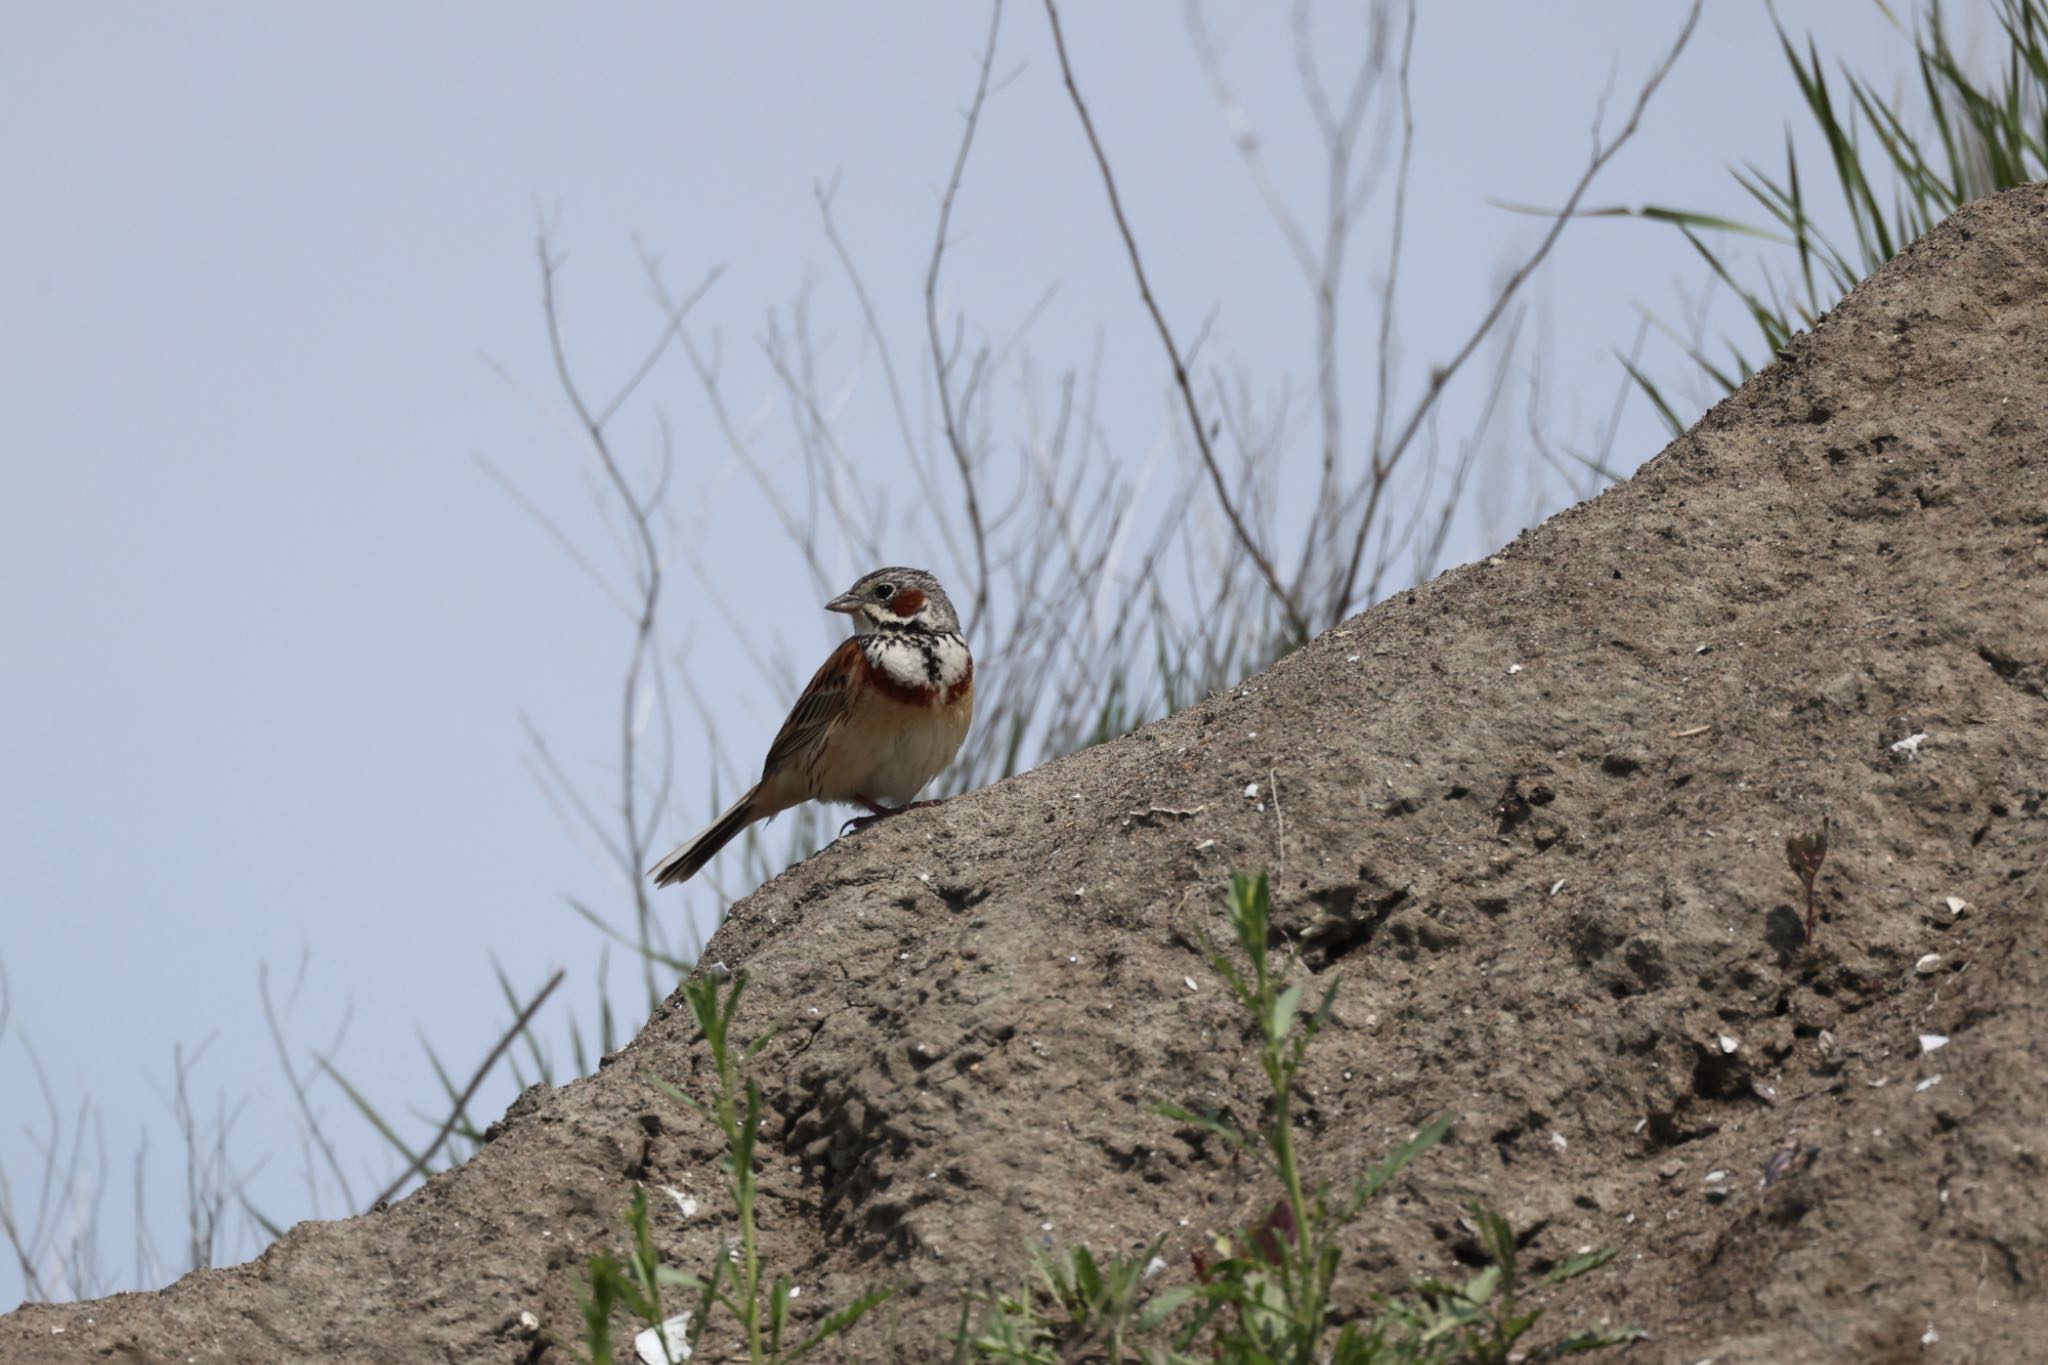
{"points": [[897, 599]]}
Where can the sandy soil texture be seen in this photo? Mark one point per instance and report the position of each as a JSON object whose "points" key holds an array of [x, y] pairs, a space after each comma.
{"points": [[1534, 815]]}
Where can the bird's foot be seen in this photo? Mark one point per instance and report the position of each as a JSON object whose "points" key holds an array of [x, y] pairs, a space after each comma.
{"points": [[879, 813]]}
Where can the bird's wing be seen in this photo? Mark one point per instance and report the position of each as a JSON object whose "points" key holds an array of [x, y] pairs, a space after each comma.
{"points": [[825, 699]]}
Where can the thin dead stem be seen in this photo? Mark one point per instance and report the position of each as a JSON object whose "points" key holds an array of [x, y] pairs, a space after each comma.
{"points": [[942, 362], [1248, 543], [419, 1164]]}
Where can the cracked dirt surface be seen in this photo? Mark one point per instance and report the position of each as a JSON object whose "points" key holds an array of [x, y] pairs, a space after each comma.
{"points": [[1533, 815]]}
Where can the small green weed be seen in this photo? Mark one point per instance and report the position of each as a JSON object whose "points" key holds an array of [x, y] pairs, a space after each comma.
{"points": [[736, 1282], [1265, 1297], [1483, 1319]]}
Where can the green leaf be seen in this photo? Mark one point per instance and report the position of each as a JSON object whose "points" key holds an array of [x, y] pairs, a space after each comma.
{"points": [[778, 1312], [1162, 1306], [1209, 1123], [1280, 1021], [1376, 1178], [1656, 213], [1480, 1289], [836, 1323], [1574, 1266], [678, 1096], [680, 1279]]}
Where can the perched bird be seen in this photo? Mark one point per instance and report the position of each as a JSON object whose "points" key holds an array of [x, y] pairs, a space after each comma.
{"points": [[884, 715]]}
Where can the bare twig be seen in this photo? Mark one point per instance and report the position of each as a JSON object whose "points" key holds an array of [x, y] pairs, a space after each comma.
{"points": [[872, 322], [941, 365], [1297, 622], [418, 1165], [1383, 366], [639, 512], [315, 1132], [1603, 152]]}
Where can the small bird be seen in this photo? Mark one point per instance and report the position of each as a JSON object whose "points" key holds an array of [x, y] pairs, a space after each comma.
{"points": [[883, 716]]}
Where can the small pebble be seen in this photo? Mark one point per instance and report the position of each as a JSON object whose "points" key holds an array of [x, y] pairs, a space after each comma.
{"points": [[1928, 965]]}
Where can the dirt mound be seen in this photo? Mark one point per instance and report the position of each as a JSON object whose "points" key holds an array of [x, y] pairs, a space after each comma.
{"points": [[1534, 813]]}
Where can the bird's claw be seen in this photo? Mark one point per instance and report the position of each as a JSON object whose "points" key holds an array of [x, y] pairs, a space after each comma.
{"points": [[861, 822]]}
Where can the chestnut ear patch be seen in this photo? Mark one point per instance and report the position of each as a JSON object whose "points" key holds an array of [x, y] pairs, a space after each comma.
{"points": [[907, 602]]}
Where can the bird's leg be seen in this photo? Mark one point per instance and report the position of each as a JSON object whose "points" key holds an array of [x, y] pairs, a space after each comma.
{"points": [[876, 811], [879, 812]]}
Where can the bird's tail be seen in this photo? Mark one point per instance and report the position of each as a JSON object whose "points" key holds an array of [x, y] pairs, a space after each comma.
{"points": [[687, 859]]}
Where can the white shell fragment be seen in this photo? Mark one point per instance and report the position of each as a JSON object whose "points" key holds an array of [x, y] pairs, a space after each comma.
{"points": [[1251, 790], [1956, 905], [1154, 1266], [1932, 1042], [1928, 965], [1189, 982], [1927, 1084], [683, 1201], [1729, 1045], [1514, 669], [1910, 745], [673, 1332]]}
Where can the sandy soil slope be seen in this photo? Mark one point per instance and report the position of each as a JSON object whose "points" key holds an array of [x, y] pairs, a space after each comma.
{"points": [[1534, 814]]}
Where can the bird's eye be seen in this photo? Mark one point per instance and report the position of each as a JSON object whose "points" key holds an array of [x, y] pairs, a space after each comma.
{"points": [[884, 591]]}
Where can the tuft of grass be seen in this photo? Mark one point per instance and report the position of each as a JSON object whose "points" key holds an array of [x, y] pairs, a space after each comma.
{"points": [[1896, 166], [1091, 1308]]}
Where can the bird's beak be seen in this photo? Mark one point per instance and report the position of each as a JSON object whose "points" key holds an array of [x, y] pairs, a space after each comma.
{"points": [[846, 602]]}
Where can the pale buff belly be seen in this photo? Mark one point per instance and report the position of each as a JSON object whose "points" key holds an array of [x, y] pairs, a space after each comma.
{"points": [[887, 751]]}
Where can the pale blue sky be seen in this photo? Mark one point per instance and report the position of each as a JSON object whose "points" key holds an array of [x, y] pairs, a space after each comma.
{"points": [[269, 629]]}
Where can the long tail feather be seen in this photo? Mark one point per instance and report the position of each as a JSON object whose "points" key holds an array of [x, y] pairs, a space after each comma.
{"points": [[688, 859]]}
